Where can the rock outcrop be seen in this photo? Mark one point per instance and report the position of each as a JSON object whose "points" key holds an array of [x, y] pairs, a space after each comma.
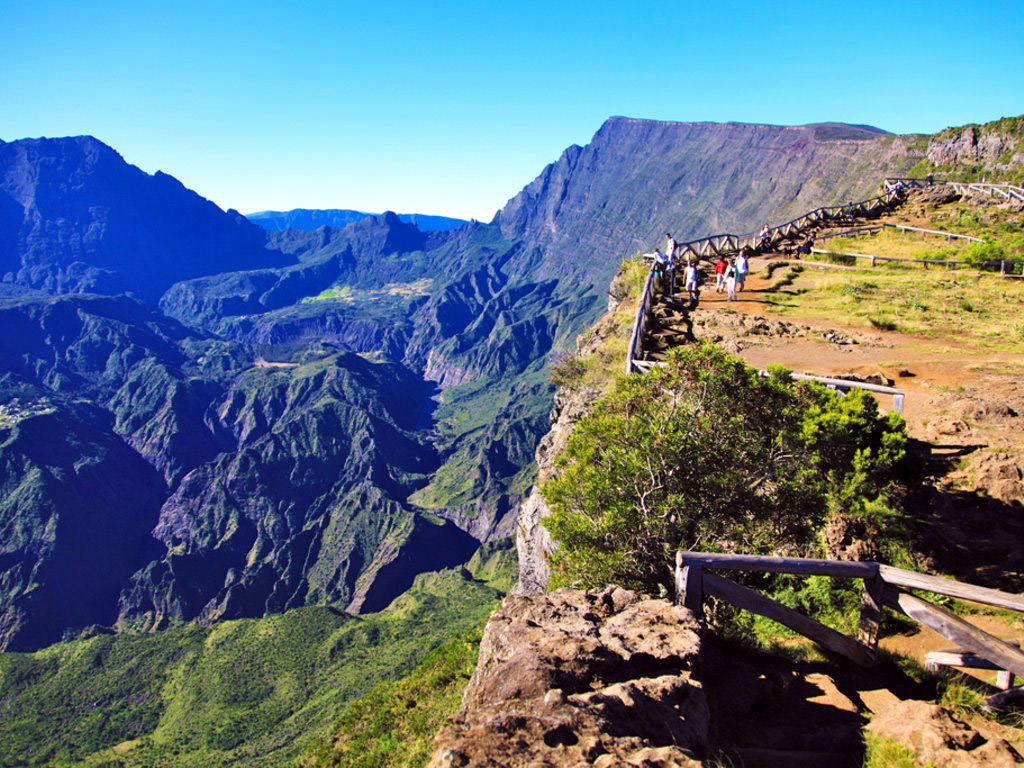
{"points": [[576, 678], [939, 738]]}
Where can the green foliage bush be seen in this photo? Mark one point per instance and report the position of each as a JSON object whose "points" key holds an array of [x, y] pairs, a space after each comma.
{"points": [[980, 254], [705, 453]]}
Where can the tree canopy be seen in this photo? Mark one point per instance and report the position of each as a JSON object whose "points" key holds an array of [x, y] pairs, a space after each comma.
{"points": [[706, 453]]}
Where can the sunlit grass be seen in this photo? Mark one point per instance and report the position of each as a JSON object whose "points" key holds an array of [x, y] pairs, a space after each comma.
{"points": [[970, 308], [352, 295]]}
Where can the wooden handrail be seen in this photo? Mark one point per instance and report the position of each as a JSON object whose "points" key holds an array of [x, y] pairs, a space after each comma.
{"points": [[883, 585], [640, 321]]}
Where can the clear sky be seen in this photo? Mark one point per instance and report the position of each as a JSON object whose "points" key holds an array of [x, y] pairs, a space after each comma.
{"points": [[450, 107]]}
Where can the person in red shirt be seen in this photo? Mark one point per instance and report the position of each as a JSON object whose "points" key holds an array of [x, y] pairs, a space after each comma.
{"points": [[720, 266]]}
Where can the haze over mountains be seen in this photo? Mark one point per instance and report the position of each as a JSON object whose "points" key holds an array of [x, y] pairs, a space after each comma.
{"points": [[203, 419], [306, 218]]}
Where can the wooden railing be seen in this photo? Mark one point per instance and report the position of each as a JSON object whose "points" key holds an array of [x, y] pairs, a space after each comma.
{"points": [[902, 228], [715, 245], [636, 340], [884, 586], [1007, 191]]}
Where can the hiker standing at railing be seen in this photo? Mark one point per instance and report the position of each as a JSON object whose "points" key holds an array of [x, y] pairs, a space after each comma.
{"points": [[766, 238], [670, 246], [670, 268]]}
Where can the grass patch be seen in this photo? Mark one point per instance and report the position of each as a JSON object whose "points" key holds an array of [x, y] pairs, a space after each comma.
{"points": [[880, 752]]}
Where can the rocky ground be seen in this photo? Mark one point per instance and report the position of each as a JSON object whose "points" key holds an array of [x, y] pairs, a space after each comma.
{"points": [[575, 678]]}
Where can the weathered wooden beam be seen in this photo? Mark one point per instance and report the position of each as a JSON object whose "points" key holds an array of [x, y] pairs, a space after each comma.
{"points": [[943, 586], [998, 700], [956, 657], [749, 600], [871, 611], [804, 566], [964, 634]]}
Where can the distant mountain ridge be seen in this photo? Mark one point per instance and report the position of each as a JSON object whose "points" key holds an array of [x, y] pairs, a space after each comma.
{"points": [[314, 218]]}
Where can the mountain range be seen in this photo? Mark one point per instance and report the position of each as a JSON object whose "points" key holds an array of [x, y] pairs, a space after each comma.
{"points": [[203, 419], [306, 218]]}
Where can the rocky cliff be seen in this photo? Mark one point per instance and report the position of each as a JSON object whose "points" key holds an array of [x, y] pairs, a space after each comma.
{"points": [[571, 678]]}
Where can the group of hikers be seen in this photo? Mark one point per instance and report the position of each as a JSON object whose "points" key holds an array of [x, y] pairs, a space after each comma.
{"points": [[730, 275]]}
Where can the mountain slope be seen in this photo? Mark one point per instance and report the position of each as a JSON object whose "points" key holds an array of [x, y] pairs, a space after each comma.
{"points": [[75, 217]]}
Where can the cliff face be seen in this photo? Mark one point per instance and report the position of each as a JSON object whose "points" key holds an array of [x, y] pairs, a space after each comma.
{"points": [[638, 179], [572, 678]]}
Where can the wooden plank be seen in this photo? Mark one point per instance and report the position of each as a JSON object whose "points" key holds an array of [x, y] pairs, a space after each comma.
{"points": [[871, 612], [1012, 696], [964, 634], [914, 580], [956, 657], [804, 566], [749, 600]]}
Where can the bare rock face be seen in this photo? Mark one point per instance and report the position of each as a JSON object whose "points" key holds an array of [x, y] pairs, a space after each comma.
{"points": [[576, 678], [938, 738], [968, 146]]}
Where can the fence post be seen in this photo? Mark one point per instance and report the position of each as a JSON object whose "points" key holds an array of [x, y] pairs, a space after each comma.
{"points": [[871, 612], [690, 586]]}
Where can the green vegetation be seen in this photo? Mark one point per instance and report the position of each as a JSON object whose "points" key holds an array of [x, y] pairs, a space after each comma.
{"points": [[253, 692], [704, 453], [352, 295], [393, 725], [886, 753]]}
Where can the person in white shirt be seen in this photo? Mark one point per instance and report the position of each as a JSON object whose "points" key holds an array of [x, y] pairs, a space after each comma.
{"points": [[691, 279], [741, 270]]}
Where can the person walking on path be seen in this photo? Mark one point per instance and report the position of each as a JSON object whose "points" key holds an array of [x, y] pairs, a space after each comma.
{"points": [[670, 245], [720, 266], [670, 268], [730, 279], [691, 279], [741, 269]]}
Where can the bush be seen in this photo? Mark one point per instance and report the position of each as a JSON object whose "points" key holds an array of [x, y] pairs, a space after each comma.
{"points": [[981, 254], [705, 453]]}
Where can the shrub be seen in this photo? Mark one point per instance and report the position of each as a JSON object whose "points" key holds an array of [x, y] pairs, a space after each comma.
{"points": [[706, 453], [981, 254]]}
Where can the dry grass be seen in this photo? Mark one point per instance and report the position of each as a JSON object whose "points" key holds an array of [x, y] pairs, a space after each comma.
{"points": [[899, 245], [973, 309]]}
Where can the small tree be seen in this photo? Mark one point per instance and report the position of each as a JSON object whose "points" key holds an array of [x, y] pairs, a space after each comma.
{"points": [[706, 453]]}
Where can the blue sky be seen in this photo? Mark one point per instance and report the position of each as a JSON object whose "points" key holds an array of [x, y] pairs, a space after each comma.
{"points": [[451, 107]]}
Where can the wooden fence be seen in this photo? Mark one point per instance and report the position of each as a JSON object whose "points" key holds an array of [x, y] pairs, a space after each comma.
{"points": [[1006, 191], [636, 340], [884, 586], [715, 245]]}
